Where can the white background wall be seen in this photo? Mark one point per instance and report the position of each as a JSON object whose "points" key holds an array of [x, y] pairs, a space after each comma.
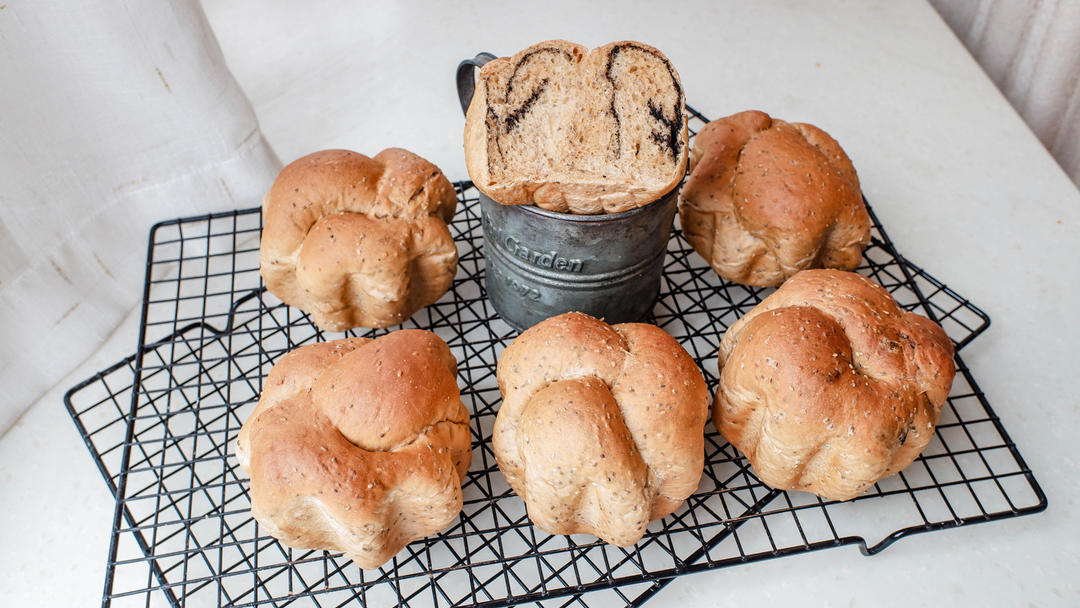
{"points": [[1031, 50]]}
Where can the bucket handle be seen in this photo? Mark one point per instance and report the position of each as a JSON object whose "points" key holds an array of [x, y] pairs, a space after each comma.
{"points": [[466, 78]]}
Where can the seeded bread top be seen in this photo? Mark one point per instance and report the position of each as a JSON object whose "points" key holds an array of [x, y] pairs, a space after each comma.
{"points": [[766, 198]]}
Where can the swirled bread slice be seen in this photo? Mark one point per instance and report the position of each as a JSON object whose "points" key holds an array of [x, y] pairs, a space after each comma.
{"points": [[577, 131]]}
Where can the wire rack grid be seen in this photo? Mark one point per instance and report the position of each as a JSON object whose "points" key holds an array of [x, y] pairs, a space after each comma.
{"points": [[162, 426]]}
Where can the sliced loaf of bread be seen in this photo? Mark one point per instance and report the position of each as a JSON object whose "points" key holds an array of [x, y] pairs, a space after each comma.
{"points": [[577, 131]]}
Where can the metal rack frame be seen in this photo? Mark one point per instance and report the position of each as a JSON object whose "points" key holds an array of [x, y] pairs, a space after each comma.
{"points": [[161, 426]]}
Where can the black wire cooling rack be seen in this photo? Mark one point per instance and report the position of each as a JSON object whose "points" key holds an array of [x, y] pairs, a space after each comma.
{"points": [[162, 424]]}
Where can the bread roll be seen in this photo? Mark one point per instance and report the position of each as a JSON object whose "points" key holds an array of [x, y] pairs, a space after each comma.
{"points": [[828, 386], [356, 241], [601, 428], [577, 131], [766, 199], [358, 445]]}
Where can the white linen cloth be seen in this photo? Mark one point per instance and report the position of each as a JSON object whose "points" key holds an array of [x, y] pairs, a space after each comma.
{"points": [[113, 116]]}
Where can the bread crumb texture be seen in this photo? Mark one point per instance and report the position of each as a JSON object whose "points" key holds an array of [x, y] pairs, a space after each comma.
{"points": [[577, 131], [766, 199], [356, 241], [358, 445], [601, 428], [828, 386]]}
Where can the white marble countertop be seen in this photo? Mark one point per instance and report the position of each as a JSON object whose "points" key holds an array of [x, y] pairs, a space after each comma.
{"points": [[962, 186]]}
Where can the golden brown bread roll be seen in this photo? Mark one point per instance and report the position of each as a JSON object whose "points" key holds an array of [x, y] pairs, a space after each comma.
{"points": [[828, 386], [358, 445], [357, 241], [601, 428], [766, 199], [577, 131]]}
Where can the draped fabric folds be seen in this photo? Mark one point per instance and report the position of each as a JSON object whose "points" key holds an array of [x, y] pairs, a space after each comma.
{"points": [[113, 116]]}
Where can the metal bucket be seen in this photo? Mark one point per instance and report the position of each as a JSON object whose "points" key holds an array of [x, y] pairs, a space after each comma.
{"points": [[542, 263]]}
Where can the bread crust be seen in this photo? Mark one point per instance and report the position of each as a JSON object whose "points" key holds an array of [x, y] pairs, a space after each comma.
{"points": [[828, 386], [589, 127], [357, 241], [601, 428], [358, 445], [766, 199]]}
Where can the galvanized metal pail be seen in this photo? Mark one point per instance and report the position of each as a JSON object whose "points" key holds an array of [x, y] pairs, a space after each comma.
{"points": [[542, 263]]}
